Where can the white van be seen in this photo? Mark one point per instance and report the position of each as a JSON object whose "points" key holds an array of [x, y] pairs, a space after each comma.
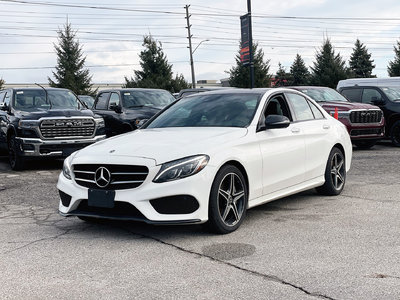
{"points": [[385, 82]]}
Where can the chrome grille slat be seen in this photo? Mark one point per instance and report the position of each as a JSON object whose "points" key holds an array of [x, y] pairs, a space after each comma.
{"points": [[127, 173], [122, 176], [63, 128], [85, 180], [123, 182]]}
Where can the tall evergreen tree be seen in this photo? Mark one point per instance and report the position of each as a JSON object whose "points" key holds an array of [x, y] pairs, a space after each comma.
{"points": [[70, 72], [239, 75], [155, 71], [1, 83], [282, 78], [361, 64], [299, 72], [394, 65], [328, 67]]}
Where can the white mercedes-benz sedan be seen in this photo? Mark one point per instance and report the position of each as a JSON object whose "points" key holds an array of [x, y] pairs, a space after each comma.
{"points": [[208, 158]]}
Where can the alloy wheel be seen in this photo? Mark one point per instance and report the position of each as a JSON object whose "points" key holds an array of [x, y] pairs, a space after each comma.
{"points": [[231, 199], [337, 171]]}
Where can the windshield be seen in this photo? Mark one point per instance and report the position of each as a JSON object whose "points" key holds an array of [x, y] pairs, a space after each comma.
{"points": [[31, 100], [393, 93], [213, 110], [152, 98], [323, 95]]}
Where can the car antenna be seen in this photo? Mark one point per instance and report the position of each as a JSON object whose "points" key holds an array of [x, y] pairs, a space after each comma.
{"points": [[45, 91]]}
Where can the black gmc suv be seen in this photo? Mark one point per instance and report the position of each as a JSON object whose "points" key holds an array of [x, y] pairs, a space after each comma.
{"points": [[124, 109], [388, 100], [41, 123]]}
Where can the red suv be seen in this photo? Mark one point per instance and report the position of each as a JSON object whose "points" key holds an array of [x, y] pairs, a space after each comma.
{"points": [[365, 123]]}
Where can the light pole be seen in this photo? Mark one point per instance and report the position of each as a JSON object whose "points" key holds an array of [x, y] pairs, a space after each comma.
{"points": [[192, 63]]}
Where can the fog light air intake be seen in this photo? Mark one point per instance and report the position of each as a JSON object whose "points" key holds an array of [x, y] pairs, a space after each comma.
{"points": [[179, 204]]}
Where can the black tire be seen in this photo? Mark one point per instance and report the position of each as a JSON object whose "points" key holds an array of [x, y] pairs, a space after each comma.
{"points": [[395, 133], [17, 162], [365, 144], [335, 174], [228, 200]]}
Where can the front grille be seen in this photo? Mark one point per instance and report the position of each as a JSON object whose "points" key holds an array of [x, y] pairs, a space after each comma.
{"points": [[372, 131], [366, 116], [120, 210], [122, 176], [67, 128]]}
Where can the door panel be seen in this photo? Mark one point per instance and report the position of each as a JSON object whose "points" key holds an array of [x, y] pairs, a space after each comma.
{"points": [[283, 152]]}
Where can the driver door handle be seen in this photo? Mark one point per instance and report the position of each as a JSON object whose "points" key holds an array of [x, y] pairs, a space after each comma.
{"points": [[326, 126], [295, 130]]}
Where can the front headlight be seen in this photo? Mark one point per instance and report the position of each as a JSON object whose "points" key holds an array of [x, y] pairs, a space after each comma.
{"points": [[28, 123], [181, 168], [67, 168], [99, 122]]}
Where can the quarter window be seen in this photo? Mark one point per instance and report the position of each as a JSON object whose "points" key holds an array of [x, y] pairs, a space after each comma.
{"points": [[102, 101], [317, 113], [300, 106]]}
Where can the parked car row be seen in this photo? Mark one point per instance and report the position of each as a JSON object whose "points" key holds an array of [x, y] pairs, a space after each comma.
{"points": [[42, 123]]}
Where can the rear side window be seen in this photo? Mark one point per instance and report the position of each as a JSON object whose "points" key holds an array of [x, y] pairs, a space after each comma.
{"points": [[354, 95], [2, 96], [300, 106], [369, 95], [102, 101]]}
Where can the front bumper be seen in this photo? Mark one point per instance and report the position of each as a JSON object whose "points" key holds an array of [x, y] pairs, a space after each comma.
{"points": [[136, 203], [36, 147]]}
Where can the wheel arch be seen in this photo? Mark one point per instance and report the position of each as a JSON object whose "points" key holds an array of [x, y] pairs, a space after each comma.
{"points": [[341, 148], [241, 168], [10, 131]]}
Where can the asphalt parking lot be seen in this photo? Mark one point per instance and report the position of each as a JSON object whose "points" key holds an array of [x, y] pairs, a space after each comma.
{"points": [[302, 247]]}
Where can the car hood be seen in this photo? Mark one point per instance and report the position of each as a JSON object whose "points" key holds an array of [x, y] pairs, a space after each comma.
{"points": [[54, 113], [164, 144], [345, 106]]}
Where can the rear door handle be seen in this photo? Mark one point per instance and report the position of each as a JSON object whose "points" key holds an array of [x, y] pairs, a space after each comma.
{"points": [[326, 126], [295, 130]]}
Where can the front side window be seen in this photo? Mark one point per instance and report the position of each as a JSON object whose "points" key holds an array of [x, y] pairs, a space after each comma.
{"points": [[300, 107], [102, 100], [31, 100], [213, 110], [2, 94], [369, 95], [114, 100]]}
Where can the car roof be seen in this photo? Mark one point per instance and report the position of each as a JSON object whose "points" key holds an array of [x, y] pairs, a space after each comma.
{"points": [[310, 87], [36, 88], [257, 91], [131, 89]]}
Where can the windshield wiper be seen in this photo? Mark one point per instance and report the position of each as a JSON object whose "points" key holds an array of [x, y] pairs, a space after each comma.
{"points": [[47, 96]]}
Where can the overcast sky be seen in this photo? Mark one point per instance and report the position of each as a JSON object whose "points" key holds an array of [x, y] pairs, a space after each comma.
{"points": [[112, 38]]}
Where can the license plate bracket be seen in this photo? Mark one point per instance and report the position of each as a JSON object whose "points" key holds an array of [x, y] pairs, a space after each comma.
{"points": [[101, 198]]}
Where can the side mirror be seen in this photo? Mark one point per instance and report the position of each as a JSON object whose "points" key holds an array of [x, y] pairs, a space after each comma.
{"points": [[276, 121], [141, 123], [4, 106], [116, 108]]}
